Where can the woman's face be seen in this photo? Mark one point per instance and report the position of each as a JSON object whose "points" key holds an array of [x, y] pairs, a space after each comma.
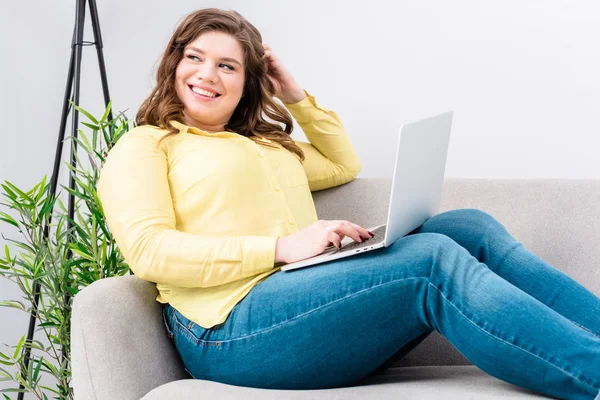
{"points": [[214, 61]]}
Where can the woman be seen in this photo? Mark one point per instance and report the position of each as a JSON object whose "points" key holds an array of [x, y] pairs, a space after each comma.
{"points": [[208, 196]]}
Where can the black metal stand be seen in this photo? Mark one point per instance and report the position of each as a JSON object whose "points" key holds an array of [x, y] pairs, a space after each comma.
{"points": [[72, 89]]}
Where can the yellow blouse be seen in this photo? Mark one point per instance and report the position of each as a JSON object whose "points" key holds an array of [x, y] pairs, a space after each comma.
{"points": [[200, 214]]}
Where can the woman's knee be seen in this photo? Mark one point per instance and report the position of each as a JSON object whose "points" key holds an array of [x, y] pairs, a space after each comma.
{"points": [[428, 240], [467, 217], [427, 246], [431, 250], [466, 226]]}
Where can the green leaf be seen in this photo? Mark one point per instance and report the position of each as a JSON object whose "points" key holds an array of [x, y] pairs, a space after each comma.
{"points": [[50, 389], [108, 108], [6, 374], [71, 290], [41, 188], [2, 355], [91, 126], [7, 218], [100, 218], [18, 348], [75, 193], [7, 252], [11, 390], [37, 370], [9, 193], [47, 207], [54, 339], [103, 249], [106, 137], [82, 185], [19, 191], [83, 140], [76, 171], [13, 304], [84, 255], [50, 366], [25, 247], [35, 344], [87, 114]]}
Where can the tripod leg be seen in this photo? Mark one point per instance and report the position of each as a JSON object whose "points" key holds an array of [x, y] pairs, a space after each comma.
{"points": [[99, 46], [78, 48], [77, 84]]}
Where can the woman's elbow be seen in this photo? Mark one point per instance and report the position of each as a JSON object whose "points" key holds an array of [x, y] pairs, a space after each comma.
{"points": [[353, 169]]}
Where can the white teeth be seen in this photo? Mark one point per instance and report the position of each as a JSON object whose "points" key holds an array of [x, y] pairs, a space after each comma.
{"points": [[203, 92]]}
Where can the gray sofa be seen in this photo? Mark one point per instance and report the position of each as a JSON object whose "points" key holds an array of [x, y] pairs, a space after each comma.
{"points": [[120, 349]]}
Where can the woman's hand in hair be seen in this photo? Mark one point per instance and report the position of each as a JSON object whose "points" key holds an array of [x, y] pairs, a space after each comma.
{"points": [[286, 87], [314, 239]]}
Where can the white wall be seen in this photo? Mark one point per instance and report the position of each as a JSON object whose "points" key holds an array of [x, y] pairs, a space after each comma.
{"points": [[522, 78]]}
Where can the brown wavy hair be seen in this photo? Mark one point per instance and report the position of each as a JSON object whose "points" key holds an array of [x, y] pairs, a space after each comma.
{"points": [[163, 105]]}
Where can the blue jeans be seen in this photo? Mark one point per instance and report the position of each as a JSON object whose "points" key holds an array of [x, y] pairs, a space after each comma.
{"points": [[461, 273]]}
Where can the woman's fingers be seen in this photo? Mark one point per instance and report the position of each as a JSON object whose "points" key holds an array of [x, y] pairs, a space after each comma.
{"points": [[362, 231], [334, 238], [269, 53], [356, 232], [267, 50]]}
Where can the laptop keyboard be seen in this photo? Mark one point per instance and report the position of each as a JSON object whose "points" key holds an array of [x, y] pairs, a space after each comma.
{"points": [[379, 236]]}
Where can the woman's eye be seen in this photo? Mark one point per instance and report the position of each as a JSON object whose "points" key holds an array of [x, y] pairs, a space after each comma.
{"points": [[196, 58]]}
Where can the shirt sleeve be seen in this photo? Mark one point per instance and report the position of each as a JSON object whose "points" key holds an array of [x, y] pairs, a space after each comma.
{"points": [[134, 193], [330, 159]]}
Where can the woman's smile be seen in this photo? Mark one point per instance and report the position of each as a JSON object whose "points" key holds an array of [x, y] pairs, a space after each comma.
{"points": [[201, 95]]}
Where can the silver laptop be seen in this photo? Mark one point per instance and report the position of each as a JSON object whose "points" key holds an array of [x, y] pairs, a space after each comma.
{"points": [[416, 189]]}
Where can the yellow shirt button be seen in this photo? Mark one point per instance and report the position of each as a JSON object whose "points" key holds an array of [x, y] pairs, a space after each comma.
{"points": [[291, 221], [277, 188]]}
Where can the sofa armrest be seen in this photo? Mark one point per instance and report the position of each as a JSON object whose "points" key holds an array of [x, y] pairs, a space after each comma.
{"points": [[119, 345]]}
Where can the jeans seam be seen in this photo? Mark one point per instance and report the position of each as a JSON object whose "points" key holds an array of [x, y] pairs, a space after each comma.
{"points": [[188, 371], [585, 329], [511, 344], [306, 313], [164, 318], [187, 331]]}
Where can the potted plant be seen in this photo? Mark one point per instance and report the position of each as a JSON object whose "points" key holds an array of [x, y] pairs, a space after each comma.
{"points": [[76, 252]]}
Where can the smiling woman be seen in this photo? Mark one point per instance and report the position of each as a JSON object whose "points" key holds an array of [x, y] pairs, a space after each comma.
{"points": [[220, 52], [202, 193]]}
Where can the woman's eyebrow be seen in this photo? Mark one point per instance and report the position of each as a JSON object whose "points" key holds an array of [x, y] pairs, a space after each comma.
{"points": [[233, 60]]}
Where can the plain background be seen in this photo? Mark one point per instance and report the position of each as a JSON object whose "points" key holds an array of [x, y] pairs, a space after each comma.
{"points": [[521, 77]]}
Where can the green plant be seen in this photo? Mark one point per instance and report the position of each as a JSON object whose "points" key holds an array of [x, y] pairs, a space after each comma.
{"points": [[76, 252]]}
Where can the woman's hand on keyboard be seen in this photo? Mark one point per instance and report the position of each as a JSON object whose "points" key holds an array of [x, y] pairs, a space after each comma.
{"points": [[314, 239]]}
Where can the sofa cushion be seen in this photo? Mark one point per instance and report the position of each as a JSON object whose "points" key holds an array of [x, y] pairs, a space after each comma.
{"points": [[447, 382]]}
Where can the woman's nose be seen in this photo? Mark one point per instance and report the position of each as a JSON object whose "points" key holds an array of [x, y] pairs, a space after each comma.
{"points": [[206, 73]]}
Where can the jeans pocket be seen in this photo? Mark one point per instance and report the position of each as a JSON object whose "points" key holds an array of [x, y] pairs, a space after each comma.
{"points": [[166, 319], [189, 328]]}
